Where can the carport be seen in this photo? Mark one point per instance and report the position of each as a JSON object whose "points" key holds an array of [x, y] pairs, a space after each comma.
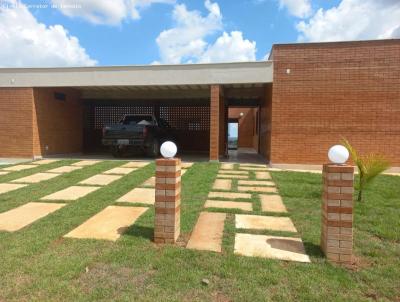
{"points": [[70, 106]]}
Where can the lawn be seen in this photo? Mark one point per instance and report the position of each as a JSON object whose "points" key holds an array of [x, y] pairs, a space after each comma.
{"points": [[38, 264]]}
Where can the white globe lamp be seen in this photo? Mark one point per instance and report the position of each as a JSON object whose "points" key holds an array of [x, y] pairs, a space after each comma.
{"points": [[168, 149], [338, 154]]}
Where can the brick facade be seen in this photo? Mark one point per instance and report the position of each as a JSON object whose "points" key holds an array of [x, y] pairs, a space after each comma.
{"points": [[349, 89], [57, 124], [31, 119], [215, 121], [321, 92], [16, 115], [265, 123]]}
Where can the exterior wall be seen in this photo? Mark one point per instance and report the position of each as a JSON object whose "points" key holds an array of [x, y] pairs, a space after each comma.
{"points": [[248, 137], [57, 125], [222, 125], [335, 90], [265, 123], [215, 107], [16, 107]]}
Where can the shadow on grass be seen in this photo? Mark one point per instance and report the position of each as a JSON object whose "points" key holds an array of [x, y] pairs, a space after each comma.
{"points": [[313, 250], [140, 231]]}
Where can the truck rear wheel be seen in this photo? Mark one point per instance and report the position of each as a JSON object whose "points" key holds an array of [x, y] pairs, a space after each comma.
{"points": [[153, 149], [116, 152]]}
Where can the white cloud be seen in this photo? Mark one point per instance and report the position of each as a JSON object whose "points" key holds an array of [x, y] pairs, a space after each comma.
{"points": [[297, 8], [230, 48], [26, 42], [186, 41], [353, 20], [111, 12]]}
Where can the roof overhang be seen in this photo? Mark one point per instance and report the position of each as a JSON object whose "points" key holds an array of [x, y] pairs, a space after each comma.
{"points": [[150, 75]]}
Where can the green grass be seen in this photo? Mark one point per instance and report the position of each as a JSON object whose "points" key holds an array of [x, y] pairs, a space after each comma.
{"points": [[38, 264]]}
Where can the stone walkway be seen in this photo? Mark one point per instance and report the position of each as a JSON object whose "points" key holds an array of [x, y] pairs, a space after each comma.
{"points": [[108, 224], [238, 187], [37, 177]]}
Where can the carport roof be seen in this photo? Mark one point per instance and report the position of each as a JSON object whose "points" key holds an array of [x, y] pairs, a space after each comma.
{"points": [[148, 75]]}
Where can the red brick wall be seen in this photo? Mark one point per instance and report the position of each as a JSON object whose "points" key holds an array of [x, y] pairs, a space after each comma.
{"points": [[265, 123], [349, 89], [16, 106], [57, 124], [215, 100]]}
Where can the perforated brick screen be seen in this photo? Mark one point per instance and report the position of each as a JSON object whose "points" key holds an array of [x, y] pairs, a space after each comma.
{"points": [[190, 124]]}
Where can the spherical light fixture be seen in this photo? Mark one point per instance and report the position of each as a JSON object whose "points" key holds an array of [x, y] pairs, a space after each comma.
{"points": [[338, 154], [168, 149]]}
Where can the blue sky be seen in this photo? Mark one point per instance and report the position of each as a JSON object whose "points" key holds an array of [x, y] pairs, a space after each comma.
{"points": [[130, 32]]}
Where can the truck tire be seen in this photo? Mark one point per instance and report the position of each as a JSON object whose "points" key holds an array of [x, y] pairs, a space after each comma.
{"points": [[116, 152], [154, 149]]}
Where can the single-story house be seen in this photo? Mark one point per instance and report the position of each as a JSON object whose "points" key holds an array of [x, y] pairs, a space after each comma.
{"points": [[301, 101]]}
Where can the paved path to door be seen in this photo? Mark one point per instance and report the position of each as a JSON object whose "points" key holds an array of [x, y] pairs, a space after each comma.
{"points": [[238, 187]]}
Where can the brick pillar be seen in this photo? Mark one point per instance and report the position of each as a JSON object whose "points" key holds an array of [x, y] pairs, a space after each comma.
{"points": [[214, 121], [337, 213], [168, 200]]}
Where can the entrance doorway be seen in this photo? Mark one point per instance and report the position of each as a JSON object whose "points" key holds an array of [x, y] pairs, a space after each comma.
{"points": [[243, 128], [233, 134]]}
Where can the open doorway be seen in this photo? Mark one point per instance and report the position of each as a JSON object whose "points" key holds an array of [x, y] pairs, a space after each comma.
{"points": [[233, 134], [243, 128]]}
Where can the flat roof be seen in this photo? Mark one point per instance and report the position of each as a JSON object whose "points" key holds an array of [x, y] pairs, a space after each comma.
{"points": [[144, 75]]}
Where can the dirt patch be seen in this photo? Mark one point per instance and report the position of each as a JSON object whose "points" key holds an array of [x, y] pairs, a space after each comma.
{"points": [[108, 276], [359, 263], [220, 297]]}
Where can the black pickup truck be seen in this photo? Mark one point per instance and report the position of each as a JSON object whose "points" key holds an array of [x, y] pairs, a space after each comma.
{"points": [[137, 132]]}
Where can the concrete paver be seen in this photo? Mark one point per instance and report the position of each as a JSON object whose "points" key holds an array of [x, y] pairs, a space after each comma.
{"points": [[208, 232], [100, 180], [64, 169], [273, 247], [71, 193], [120, 171], [19, 168], [256, 222], [139, 195], [222, 184], [36, 178], [257, 189], [4, 188], [26, 214], [244, 206], [229, 195], [272, 203], [109, 224]]}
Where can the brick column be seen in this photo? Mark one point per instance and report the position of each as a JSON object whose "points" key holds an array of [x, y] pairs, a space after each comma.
{"points": [[214, 121], [337, 213], [168, 200]]}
